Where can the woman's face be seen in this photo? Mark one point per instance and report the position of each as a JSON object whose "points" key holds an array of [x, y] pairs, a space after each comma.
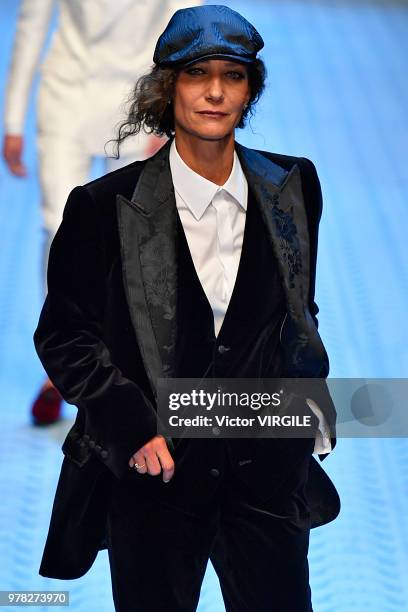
{"points": [[209, 98]]}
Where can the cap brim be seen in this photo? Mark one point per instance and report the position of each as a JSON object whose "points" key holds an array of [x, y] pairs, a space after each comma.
{"points": [[234, 58]]}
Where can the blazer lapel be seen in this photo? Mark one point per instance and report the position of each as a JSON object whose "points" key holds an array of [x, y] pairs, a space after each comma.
{"points": [[280, 197], [148, 232]]}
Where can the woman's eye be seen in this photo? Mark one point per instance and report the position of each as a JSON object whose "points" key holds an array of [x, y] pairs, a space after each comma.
{"points": [[236, 75], [194, 71]]}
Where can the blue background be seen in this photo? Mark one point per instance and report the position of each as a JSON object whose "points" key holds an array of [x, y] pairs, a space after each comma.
{"points": [[338, 94]]}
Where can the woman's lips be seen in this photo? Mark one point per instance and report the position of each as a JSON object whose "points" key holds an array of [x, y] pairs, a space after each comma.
{"points": [[215, 115]]}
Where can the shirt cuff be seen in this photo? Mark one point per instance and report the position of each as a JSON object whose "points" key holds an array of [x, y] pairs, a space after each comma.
{"points": [[322, 438], [13, 128]]}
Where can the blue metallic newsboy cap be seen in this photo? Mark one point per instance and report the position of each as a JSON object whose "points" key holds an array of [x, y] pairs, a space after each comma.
{"points": [[207, 32]]}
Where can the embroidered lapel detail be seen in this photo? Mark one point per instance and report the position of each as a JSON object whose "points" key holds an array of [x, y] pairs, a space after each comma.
{"points": [[148, 231], [280, 198], [279, 195]]}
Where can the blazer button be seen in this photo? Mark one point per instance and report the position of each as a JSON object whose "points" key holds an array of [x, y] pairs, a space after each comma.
{"points": [[91, 444], [82, 444], [86, 438], [98, 448], [214, 472], [104, 454], [223, 349]]}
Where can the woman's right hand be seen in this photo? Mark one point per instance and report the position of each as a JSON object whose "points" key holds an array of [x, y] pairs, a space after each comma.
{"points": [[13, 146], [154, 456]]}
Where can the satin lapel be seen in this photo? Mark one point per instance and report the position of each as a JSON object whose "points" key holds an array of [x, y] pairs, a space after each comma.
{"points": [[279, 195], [148, 232]]}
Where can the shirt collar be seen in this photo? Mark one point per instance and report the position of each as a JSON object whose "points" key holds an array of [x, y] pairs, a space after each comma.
{"points": [[197, 192]]}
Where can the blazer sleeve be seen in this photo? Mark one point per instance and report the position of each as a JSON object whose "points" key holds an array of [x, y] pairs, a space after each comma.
{"points": [[69, 339]]}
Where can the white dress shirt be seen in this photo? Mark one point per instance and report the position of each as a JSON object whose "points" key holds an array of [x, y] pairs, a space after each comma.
{"points": [[213, 219]]}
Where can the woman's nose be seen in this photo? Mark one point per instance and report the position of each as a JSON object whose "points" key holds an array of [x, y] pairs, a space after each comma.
{"points": [[215, 91]]}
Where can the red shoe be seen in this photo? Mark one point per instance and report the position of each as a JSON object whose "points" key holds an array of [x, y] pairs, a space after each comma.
{"points": [[47, 407]]}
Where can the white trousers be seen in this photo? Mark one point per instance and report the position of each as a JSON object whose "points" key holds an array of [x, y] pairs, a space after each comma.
{"points": [[65, 163]]}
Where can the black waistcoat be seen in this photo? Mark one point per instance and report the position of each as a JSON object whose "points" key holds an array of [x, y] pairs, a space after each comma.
{"points": [[248, 344]]}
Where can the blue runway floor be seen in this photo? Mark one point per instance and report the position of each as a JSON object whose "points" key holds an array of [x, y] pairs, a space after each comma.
{"points": [[337, 94]]}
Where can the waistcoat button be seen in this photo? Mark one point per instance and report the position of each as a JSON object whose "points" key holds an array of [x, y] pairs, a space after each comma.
{"points": [[223, 349]]}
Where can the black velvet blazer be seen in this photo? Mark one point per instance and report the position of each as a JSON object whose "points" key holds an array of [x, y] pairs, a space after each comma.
{"points": [[106, 331]]}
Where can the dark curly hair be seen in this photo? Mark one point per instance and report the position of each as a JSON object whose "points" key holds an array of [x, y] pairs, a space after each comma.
{"points": [[151, 107]]}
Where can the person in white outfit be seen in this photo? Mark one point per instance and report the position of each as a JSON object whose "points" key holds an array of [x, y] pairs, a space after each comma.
{"points": [[97, 51]]}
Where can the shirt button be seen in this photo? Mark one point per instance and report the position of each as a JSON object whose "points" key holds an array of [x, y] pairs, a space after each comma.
{"points": [[223, 349], [214, 472]]}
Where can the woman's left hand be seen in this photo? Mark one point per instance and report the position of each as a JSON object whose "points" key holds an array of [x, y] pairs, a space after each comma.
{"points": [[154, 456]]}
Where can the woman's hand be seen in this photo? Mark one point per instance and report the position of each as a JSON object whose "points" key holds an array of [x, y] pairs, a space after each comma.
{"points": [[153, 456], [13, 147]]}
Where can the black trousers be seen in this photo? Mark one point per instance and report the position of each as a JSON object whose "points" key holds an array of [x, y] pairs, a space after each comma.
{"points": [[161, 535]]}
